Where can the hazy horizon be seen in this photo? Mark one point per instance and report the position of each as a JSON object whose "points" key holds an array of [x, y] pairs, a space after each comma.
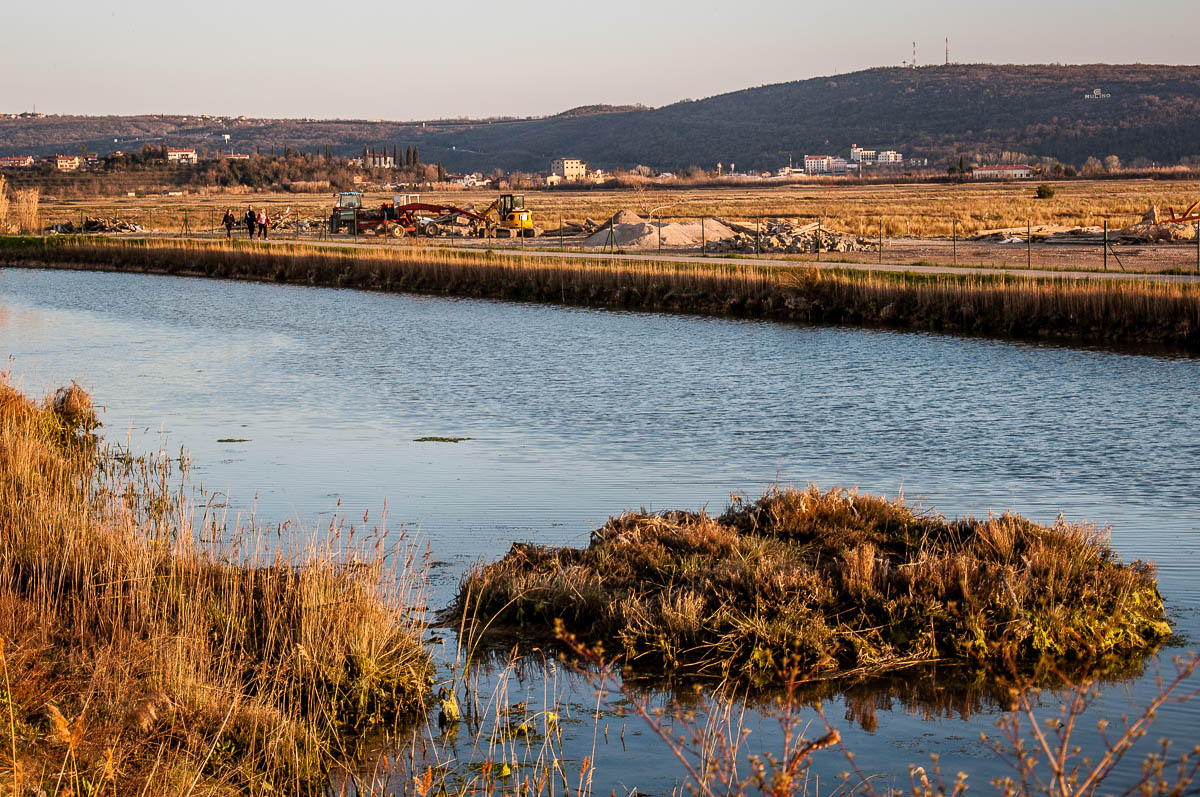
{"points": [[304, 60]]}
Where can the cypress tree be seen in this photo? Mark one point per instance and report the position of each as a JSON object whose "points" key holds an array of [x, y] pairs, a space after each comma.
{"points": [[416, 156]]}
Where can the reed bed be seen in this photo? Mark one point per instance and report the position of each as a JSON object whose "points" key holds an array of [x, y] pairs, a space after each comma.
{"points": [[146, 653], [1099, 311], [826, 584]]}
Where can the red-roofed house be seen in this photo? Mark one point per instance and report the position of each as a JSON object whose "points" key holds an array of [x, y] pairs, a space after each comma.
{"points": [[16, 162]]}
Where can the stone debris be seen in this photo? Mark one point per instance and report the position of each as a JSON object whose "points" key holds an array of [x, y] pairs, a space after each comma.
{"points": [[95, 224], [785, 236], [1143, 232]]}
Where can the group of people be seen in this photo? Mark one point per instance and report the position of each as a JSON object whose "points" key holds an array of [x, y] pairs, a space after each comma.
{"points": [[254, 220]]}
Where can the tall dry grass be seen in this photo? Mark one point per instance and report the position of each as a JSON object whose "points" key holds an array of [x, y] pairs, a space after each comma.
{"points": [[1115, 311], [147, 653], [22, 212]]}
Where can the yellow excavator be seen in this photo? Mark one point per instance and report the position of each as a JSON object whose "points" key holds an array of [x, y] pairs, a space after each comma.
{"points": [[507, 217]]}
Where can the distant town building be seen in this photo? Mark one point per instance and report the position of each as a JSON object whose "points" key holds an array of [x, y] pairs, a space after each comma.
{"points": [[860, 155], [473, 180], [67, 163], [237, 156], [181, 156], [16, 162], [568, 169], [823, 164], [818, 164], [377, 160], [1005, 172], [870, 157]]}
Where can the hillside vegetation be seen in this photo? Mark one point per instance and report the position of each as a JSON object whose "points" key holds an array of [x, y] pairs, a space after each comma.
{"points": [[1150, 113]]}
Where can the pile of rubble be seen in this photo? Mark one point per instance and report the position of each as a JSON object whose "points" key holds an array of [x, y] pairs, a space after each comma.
{"points": [[90, 224], [784, 236], [289, 219]]}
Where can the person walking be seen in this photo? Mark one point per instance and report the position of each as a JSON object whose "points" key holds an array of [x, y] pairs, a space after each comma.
{"points": [[251, 219], [228, 221], [263, 222]]}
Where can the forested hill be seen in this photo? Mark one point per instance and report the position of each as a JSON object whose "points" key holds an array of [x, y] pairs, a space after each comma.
{"points": [[941, 112], [1071, 113]]}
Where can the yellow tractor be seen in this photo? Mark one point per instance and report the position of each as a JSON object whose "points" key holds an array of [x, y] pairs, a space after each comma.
{"points": [[507, 217]]}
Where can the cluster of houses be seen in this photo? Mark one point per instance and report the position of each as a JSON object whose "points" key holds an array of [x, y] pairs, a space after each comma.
{"points": [[93, 162], [64, 163]]}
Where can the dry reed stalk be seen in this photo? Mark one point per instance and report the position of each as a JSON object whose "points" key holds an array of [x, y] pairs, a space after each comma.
{"points": [[3, 205]]}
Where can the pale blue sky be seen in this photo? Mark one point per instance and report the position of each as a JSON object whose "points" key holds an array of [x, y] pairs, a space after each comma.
{"points": [[402, 60]]}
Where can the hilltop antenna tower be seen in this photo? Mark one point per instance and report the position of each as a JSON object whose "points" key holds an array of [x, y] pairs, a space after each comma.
{"points": [[914, 60], [947, 51]]}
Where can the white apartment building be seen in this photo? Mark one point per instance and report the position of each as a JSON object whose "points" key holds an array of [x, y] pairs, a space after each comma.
{"points": [[569, 169], [825, 164], [860, 155], [818, 164]]}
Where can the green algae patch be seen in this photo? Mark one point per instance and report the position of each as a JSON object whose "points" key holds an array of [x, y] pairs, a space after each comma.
{"points": [[828, 583]]}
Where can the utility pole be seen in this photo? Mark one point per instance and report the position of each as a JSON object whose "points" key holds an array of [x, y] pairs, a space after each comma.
{"points": [[947, 51]]}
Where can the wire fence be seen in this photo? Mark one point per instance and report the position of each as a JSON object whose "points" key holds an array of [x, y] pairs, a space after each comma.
{"points": [[1022, 245]]}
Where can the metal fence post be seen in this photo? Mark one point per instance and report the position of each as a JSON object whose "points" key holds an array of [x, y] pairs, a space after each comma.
{"points": [[954, 242], [758, 236], [659, 234], [704, 244], [560, 232], [880, 241], [1106, 244], [1028, 245], [819, 228]]}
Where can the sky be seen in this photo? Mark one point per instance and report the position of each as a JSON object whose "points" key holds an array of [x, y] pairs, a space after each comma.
{"points": [[475, 58]]}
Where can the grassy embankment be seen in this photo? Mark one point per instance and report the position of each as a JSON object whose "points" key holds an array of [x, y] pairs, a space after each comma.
{"points": [[828, 584], [137, 656], [1118, 312]]}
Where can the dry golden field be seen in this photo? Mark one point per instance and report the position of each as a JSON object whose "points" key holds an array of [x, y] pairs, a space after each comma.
{"points": [[915, 211]]}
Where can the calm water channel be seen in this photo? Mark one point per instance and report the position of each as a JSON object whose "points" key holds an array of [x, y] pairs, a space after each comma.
{"points": [[574, 415]]}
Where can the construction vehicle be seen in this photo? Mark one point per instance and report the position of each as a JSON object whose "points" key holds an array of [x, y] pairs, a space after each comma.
{"points": [[512, 218], [406, 214]]}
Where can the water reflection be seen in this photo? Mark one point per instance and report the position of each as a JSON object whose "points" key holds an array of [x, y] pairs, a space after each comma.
{"points": [[574, 415]]}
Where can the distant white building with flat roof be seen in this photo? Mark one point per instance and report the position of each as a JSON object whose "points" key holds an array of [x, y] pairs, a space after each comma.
{"points": [[1019, 171], [182, 156], [569, 169]]}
